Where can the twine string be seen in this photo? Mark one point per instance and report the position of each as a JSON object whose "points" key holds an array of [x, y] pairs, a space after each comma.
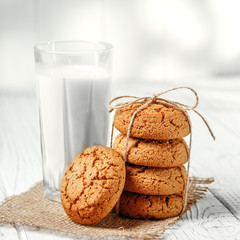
{"points": [[153, 98], [145, 101]]}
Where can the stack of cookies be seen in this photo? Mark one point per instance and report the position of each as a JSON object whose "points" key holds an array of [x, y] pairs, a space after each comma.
{"points": [[155, 175]]}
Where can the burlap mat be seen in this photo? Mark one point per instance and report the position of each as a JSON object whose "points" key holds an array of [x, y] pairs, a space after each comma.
{"points": [[31, 208]]}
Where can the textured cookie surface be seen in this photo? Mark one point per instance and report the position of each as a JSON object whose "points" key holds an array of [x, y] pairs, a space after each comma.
{"points": [[136, 205], [154, 122], [155, 181], [153, 153], [92, 184]]}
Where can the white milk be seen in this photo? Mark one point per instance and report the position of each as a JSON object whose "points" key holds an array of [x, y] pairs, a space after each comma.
{"points": [[73, 116]]}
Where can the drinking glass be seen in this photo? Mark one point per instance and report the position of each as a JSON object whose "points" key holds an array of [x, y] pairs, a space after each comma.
{"points": [[73, 80]]}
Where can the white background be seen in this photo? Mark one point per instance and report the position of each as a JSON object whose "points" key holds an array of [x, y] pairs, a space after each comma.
{"points": [[154, 40]]}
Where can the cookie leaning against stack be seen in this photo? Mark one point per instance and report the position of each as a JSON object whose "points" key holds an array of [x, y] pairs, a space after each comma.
{"points": [[155, 175], [92, 184]]}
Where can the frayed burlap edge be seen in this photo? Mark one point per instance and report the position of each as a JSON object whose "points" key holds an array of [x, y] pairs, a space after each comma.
{"points": [[33, 209]]}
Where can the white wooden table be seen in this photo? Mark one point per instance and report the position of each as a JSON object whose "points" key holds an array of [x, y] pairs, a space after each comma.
{"points": [[215, 216]]}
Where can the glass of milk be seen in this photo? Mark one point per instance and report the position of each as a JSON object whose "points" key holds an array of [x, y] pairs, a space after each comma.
{"points": [[73, 80]]}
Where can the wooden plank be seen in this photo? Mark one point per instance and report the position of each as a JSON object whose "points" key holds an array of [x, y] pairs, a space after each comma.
{"points": [[20, 145], [230, 198], [19, 167], [207, 219], [8, 233]]}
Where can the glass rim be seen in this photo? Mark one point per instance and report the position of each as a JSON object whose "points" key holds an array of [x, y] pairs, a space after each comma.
{"points": [[106, 47]]}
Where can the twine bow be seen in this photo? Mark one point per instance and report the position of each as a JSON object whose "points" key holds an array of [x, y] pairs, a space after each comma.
{"points": [[145, 101]]}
